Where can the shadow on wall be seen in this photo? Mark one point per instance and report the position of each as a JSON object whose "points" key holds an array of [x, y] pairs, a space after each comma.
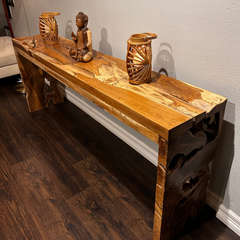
{"points": [[222, 163], [164, 63], [68, 29], [104, 45]]}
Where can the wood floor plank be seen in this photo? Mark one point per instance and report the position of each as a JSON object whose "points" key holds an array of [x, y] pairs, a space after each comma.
{"points": [[47, 122], [71, 182], [60, 118], [68, 145], [223, 232], [123, 203], [4, 176], [8, 226], [115, 160], [11, 142], [206, 227], [36, 139], [100, 219], [46, 203], [110, 192], [16, 219]]}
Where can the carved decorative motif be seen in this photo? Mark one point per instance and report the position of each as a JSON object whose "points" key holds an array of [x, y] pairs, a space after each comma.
{"points": [[186, 172], [48, 27], [30, 43], [139, 58], [55, 94]]}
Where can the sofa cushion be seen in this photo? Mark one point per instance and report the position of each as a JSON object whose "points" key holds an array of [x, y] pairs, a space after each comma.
{"points": [[7, 55], [8, 71]]}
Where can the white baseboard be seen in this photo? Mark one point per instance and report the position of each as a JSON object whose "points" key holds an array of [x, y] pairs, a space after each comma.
{"points": [[224, 214], [229, 218]]}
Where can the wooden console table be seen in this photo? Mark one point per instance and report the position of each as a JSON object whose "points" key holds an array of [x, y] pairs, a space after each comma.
{"points": [[184, 120]]}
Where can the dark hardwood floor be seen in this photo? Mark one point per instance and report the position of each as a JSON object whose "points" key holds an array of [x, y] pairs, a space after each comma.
{"points": [[64, 176]]}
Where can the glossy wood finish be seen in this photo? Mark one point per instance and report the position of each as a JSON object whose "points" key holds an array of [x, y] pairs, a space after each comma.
{"points": [[59, 179], [184, 165], [184, 120]]}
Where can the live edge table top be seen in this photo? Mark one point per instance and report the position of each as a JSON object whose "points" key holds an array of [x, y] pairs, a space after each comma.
{"points": [[164, 107]]}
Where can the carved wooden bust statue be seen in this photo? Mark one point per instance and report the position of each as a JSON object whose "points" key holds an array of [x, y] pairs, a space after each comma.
{"points": [[83, 40]]}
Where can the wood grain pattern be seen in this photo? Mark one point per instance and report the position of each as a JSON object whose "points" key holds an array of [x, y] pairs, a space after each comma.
{"points": [[197, 97], [98, 67], [159, 122], [111, 74], [119, 115], [33, 81], [55, 94], [184, 120], [47, 202], [187, 175], [39, 140], [160, 188], [13, 146]]}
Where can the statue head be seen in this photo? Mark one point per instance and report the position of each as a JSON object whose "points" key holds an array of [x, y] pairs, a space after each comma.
{"points": [[81, 20]]}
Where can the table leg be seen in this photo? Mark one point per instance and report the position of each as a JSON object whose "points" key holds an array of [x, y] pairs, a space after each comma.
{"points": [[183, 175], [160, 188], [33, 79]]}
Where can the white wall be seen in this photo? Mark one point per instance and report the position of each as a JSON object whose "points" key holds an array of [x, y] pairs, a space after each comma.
{"points": [[20, 21], [198, 42]]}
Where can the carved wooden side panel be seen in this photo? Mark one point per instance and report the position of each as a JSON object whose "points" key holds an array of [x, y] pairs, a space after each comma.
{"points": [[186, 177], [54, 94], [160, 188], [33, 80]]}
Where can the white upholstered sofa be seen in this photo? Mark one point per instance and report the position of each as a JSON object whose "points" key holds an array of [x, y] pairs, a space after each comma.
{"points": [[8, 61]]}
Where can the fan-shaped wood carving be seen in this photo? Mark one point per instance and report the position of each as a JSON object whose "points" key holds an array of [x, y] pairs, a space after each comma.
{"points": [[139, 58], [48, 27]]}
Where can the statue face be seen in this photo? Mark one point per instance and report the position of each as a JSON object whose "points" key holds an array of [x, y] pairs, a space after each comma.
{"points": [[79, 23]]}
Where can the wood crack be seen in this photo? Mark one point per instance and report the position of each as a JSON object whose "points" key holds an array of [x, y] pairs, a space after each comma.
{"points": [[5, 175]]}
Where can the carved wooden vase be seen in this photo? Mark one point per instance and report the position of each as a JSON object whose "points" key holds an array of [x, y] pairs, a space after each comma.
{"points": [[139, 57], [48, 27]]}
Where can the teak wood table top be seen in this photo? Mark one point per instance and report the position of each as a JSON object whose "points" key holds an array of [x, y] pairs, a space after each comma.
{"points": [[162, 106], [185, 121]]}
